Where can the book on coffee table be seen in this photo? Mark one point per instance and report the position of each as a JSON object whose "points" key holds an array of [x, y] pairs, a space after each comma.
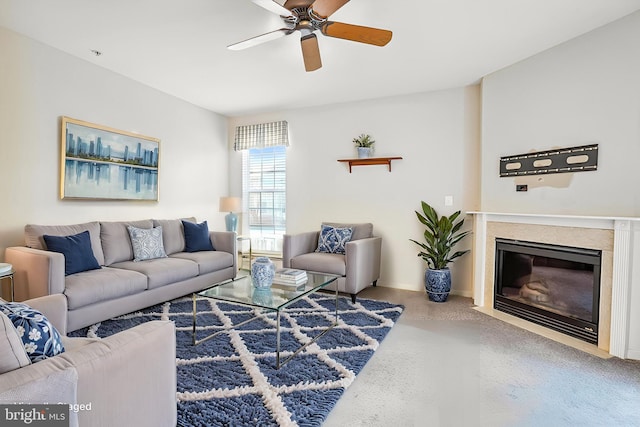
{"points": [[290, 276]]}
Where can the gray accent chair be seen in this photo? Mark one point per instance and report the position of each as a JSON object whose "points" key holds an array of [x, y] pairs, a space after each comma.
{"points": [[358, 268]]}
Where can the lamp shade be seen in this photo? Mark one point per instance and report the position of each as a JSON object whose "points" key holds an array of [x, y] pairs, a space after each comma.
{"points": [[230, 204]]}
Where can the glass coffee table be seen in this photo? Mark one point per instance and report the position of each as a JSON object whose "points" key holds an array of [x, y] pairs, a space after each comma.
{"points": [[273, 300]]}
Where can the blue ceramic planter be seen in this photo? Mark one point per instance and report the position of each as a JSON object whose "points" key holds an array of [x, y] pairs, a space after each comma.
{"points": [[438, 284]]}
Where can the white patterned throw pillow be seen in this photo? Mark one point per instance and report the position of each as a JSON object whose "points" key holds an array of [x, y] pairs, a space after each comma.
{"points": [[333, 239], [147, 243]]}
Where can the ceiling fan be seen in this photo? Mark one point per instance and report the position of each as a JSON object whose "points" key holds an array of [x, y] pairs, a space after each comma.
{"points": [[307, 16]]}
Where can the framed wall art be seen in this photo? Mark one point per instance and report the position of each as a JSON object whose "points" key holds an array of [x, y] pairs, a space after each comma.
{"points": [[101, 163]]}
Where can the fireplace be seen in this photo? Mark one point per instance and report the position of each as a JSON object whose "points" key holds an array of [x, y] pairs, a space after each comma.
{"points": [[552, 285]]}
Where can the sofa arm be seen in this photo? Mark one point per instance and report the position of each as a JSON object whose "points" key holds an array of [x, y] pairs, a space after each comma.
{"points": [[225, 241], [128, 378], [37, 272], [54, 308], [298, 244], [363, 262]]}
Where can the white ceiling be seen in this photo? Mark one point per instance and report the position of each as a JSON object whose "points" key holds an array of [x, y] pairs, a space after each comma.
{"points": [[179, 46]]}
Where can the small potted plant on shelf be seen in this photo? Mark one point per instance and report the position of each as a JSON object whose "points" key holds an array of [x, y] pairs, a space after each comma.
{"points": [[440, 236], [364, 143]]}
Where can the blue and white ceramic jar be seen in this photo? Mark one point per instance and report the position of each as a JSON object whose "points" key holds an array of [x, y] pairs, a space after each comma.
{"points": [[262, 272]]}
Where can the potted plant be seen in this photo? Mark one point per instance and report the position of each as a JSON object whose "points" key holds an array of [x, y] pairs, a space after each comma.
{"points": [[364, 143], [440, 236]]}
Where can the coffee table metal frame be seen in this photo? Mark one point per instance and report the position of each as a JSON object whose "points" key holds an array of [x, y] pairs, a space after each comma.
{"points": [[311, 287]]}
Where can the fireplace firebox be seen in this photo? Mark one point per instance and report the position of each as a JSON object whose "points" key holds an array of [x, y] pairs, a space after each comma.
{"points": [[554, 286]]}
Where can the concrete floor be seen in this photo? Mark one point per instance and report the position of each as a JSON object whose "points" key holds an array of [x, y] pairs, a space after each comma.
{"points": [[446, 364], [393, 388]]}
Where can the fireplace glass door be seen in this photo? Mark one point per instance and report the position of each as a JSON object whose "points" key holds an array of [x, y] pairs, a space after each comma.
{"points": [[554, 286]]}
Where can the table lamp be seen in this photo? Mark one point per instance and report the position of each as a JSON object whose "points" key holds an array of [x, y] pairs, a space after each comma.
{"points": [[231, 205]]}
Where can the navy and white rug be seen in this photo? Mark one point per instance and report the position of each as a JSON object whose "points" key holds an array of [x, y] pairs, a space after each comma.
{"points": [[231, 380]]}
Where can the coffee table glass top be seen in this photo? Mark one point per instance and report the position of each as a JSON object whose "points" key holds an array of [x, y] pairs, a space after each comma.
{"points": [[241, 290]]}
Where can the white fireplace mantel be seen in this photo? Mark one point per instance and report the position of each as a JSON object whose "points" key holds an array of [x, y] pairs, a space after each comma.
{"points": [[625, 230]]}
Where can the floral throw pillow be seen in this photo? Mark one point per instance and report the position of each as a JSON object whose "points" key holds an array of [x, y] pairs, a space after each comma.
{"points": [[146, 243], [40, 339], [333, 240]]}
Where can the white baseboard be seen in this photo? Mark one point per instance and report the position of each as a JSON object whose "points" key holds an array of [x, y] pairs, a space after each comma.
{"points": [[420, 288], [466, 294], [403, 286], [633, 354]]}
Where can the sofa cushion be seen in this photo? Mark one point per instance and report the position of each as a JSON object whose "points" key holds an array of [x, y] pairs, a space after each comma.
{"points": [[147, 243], [116, 243], [162, 271], [94, 286], [39, 337], [196, 237], [318, 261], [78, 255], [333, 239], [33, 235], [360, 230], [208, 261], [12, 352], [172, 234]]}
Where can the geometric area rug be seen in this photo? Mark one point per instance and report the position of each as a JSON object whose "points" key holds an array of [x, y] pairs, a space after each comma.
{"points": [[231, 380]]}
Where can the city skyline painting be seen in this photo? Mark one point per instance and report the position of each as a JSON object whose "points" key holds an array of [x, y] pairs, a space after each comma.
{"points": [[102, 163]]}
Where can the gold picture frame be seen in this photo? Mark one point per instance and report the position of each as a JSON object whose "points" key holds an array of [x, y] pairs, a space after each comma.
{"points": [[101, 163]]}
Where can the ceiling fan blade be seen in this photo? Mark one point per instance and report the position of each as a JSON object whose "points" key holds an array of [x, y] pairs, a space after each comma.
{"points": [[310, 52], [272, 6], [290, 4], [324, 8], [356, 33], [260, 39]]}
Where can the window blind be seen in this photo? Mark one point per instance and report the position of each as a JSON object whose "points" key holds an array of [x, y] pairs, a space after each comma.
{"points": [[264, 193], [261, 135]]}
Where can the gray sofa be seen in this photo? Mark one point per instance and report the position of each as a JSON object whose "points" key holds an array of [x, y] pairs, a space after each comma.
{"points": [[127, 379], [358, 267], [121, 285]]}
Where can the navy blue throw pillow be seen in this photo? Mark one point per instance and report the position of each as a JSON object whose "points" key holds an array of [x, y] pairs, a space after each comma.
{"points": [[78, 255], [196, 237]]}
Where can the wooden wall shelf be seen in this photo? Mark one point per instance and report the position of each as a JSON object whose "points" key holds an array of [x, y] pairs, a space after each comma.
{"points": [[368, 161]]}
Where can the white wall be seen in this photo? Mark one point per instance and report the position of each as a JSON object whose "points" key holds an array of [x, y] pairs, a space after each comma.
{"points": [[584, 91], [40, 84], [437, 134]]}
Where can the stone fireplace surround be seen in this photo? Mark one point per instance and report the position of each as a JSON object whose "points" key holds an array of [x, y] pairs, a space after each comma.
{"points": [[613, 236]]}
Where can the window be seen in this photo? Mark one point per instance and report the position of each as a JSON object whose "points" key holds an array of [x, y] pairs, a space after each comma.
{"points": [[264, 195], [264, 182]]}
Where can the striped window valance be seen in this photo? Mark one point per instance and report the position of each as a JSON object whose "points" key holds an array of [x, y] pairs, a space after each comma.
{"points": [[261, 135]]}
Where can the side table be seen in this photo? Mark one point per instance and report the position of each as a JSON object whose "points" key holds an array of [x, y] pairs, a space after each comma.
{"points": [[241, 252], [7, 273]]}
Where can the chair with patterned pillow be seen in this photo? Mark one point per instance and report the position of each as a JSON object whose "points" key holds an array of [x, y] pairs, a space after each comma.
{"points": [[350, 251]]}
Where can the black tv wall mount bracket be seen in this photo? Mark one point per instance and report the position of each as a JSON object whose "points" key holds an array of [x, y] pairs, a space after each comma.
{"points": [[575, 159]]}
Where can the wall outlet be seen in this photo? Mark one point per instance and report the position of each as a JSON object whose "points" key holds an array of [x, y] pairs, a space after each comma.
{"points": [[448, 200]]}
